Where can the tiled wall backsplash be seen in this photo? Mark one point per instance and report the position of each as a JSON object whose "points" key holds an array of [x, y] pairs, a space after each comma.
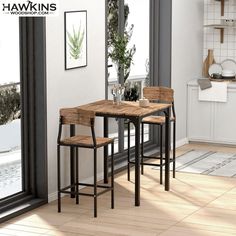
{"points": [[212, 15]]}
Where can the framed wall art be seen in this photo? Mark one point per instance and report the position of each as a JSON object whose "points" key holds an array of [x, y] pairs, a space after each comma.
{"points": [[75, 39]]}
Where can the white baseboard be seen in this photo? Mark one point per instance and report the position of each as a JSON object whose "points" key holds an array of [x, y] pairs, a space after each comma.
{"points": [[53, 196], [180, 143]]}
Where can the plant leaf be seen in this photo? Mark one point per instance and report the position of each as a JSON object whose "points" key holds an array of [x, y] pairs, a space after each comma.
{"points": [[75, 42]]}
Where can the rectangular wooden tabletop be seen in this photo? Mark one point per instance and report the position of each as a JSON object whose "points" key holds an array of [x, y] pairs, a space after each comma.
{"points": [[125, 109]]}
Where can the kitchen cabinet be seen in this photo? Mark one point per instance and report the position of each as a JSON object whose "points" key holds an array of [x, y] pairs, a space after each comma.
{"points": [[213, 122], [225, 119]]}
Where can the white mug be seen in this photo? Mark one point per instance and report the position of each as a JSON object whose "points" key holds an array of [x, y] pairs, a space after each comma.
{"points": [[143, 102]]}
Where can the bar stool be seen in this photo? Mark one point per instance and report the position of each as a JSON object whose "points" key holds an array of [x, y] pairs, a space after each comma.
{"points": [[156, 94], [75, 116]]}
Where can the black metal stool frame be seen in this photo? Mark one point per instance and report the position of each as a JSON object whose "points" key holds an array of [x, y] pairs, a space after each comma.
{"points": [[160, 157], [76, 185], [161, 150]]}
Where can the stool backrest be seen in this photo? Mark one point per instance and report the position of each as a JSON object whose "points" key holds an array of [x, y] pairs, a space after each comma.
{"points": [[161, 94], [76, 116]]}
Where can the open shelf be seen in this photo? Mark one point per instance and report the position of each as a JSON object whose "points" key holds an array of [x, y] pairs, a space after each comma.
{"points": [[221, 28]]}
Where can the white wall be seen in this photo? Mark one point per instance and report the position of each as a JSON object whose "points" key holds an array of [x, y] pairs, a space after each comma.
{"points": [[187, 47], [73, 87]]}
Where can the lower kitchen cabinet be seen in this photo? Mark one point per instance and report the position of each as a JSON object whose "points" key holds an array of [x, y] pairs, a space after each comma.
{"points": [[211, 121]]}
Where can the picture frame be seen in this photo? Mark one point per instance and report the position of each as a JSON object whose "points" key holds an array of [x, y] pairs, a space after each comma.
{"points": [[75, 33]]}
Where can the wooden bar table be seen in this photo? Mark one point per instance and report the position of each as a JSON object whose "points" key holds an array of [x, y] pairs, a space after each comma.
{"points": [[135, 113]]}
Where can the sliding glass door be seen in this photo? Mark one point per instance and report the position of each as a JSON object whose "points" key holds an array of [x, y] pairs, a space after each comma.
{"points": [[23, 130], [11, 178]]}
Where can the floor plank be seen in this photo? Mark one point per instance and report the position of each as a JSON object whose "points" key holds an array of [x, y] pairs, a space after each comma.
{"points": [[197, 205]]}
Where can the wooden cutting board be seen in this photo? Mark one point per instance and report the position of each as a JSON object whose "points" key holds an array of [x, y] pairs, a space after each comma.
{"points": [[207, 63]]}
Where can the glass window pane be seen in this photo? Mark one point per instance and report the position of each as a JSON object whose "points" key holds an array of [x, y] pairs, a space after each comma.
{"points": [[139, 70], [138, 18], [112, 30], [113, 133], [10, 122]]}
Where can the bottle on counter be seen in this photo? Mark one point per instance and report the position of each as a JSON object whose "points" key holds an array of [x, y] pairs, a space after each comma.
{"points": [[207, 63]]}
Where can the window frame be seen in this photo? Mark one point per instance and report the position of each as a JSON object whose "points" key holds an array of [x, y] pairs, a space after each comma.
{"points": [[34, 120]]}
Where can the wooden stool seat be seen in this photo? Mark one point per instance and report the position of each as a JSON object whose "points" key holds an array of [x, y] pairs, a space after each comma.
{"points": [[156, 120], [86, 141]]}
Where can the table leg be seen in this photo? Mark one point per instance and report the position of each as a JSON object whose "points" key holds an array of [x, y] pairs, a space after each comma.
{"points": [[105, 167], [167, 150], [72, 162], [136, 123]]}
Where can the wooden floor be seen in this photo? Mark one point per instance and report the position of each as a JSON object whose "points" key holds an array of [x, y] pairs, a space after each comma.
{"points": [[196, 205]]}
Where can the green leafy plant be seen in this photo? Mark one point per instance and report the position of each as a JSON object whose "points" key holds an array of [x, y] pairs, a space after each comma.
{"points": [[120, 55], [131, 91], [75, 42], [9, 104]]}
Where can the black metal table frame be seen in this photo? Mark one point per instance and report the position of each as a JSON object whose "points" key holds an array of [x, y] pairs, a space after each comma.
{"points": [[137, 122]]}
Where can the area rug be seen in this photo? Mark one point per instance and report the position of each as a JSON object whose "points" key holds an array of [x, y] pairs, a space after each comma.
{"points": [[207, 162]]}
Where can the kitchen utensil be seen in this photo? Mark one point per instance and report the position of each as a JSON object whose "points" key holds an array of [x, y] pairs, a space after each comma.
{"points": [[228, 73], [215, 69], [207, 63], [229, 64]]}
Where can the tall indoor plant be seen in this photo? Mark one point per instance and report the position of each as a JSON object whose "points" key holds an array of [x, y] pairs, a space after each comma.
{"points": [[119, 50]]}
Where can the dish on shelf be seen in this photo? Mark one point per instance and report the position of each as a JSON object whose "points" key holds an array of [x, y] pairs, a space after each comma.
{"points": [[228, 73], [215, 69], [229, 65]]}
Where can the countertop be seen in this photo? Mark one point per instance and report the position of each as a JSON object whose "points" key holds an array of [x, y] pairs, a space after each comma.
{"points": [[231, 84]]}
